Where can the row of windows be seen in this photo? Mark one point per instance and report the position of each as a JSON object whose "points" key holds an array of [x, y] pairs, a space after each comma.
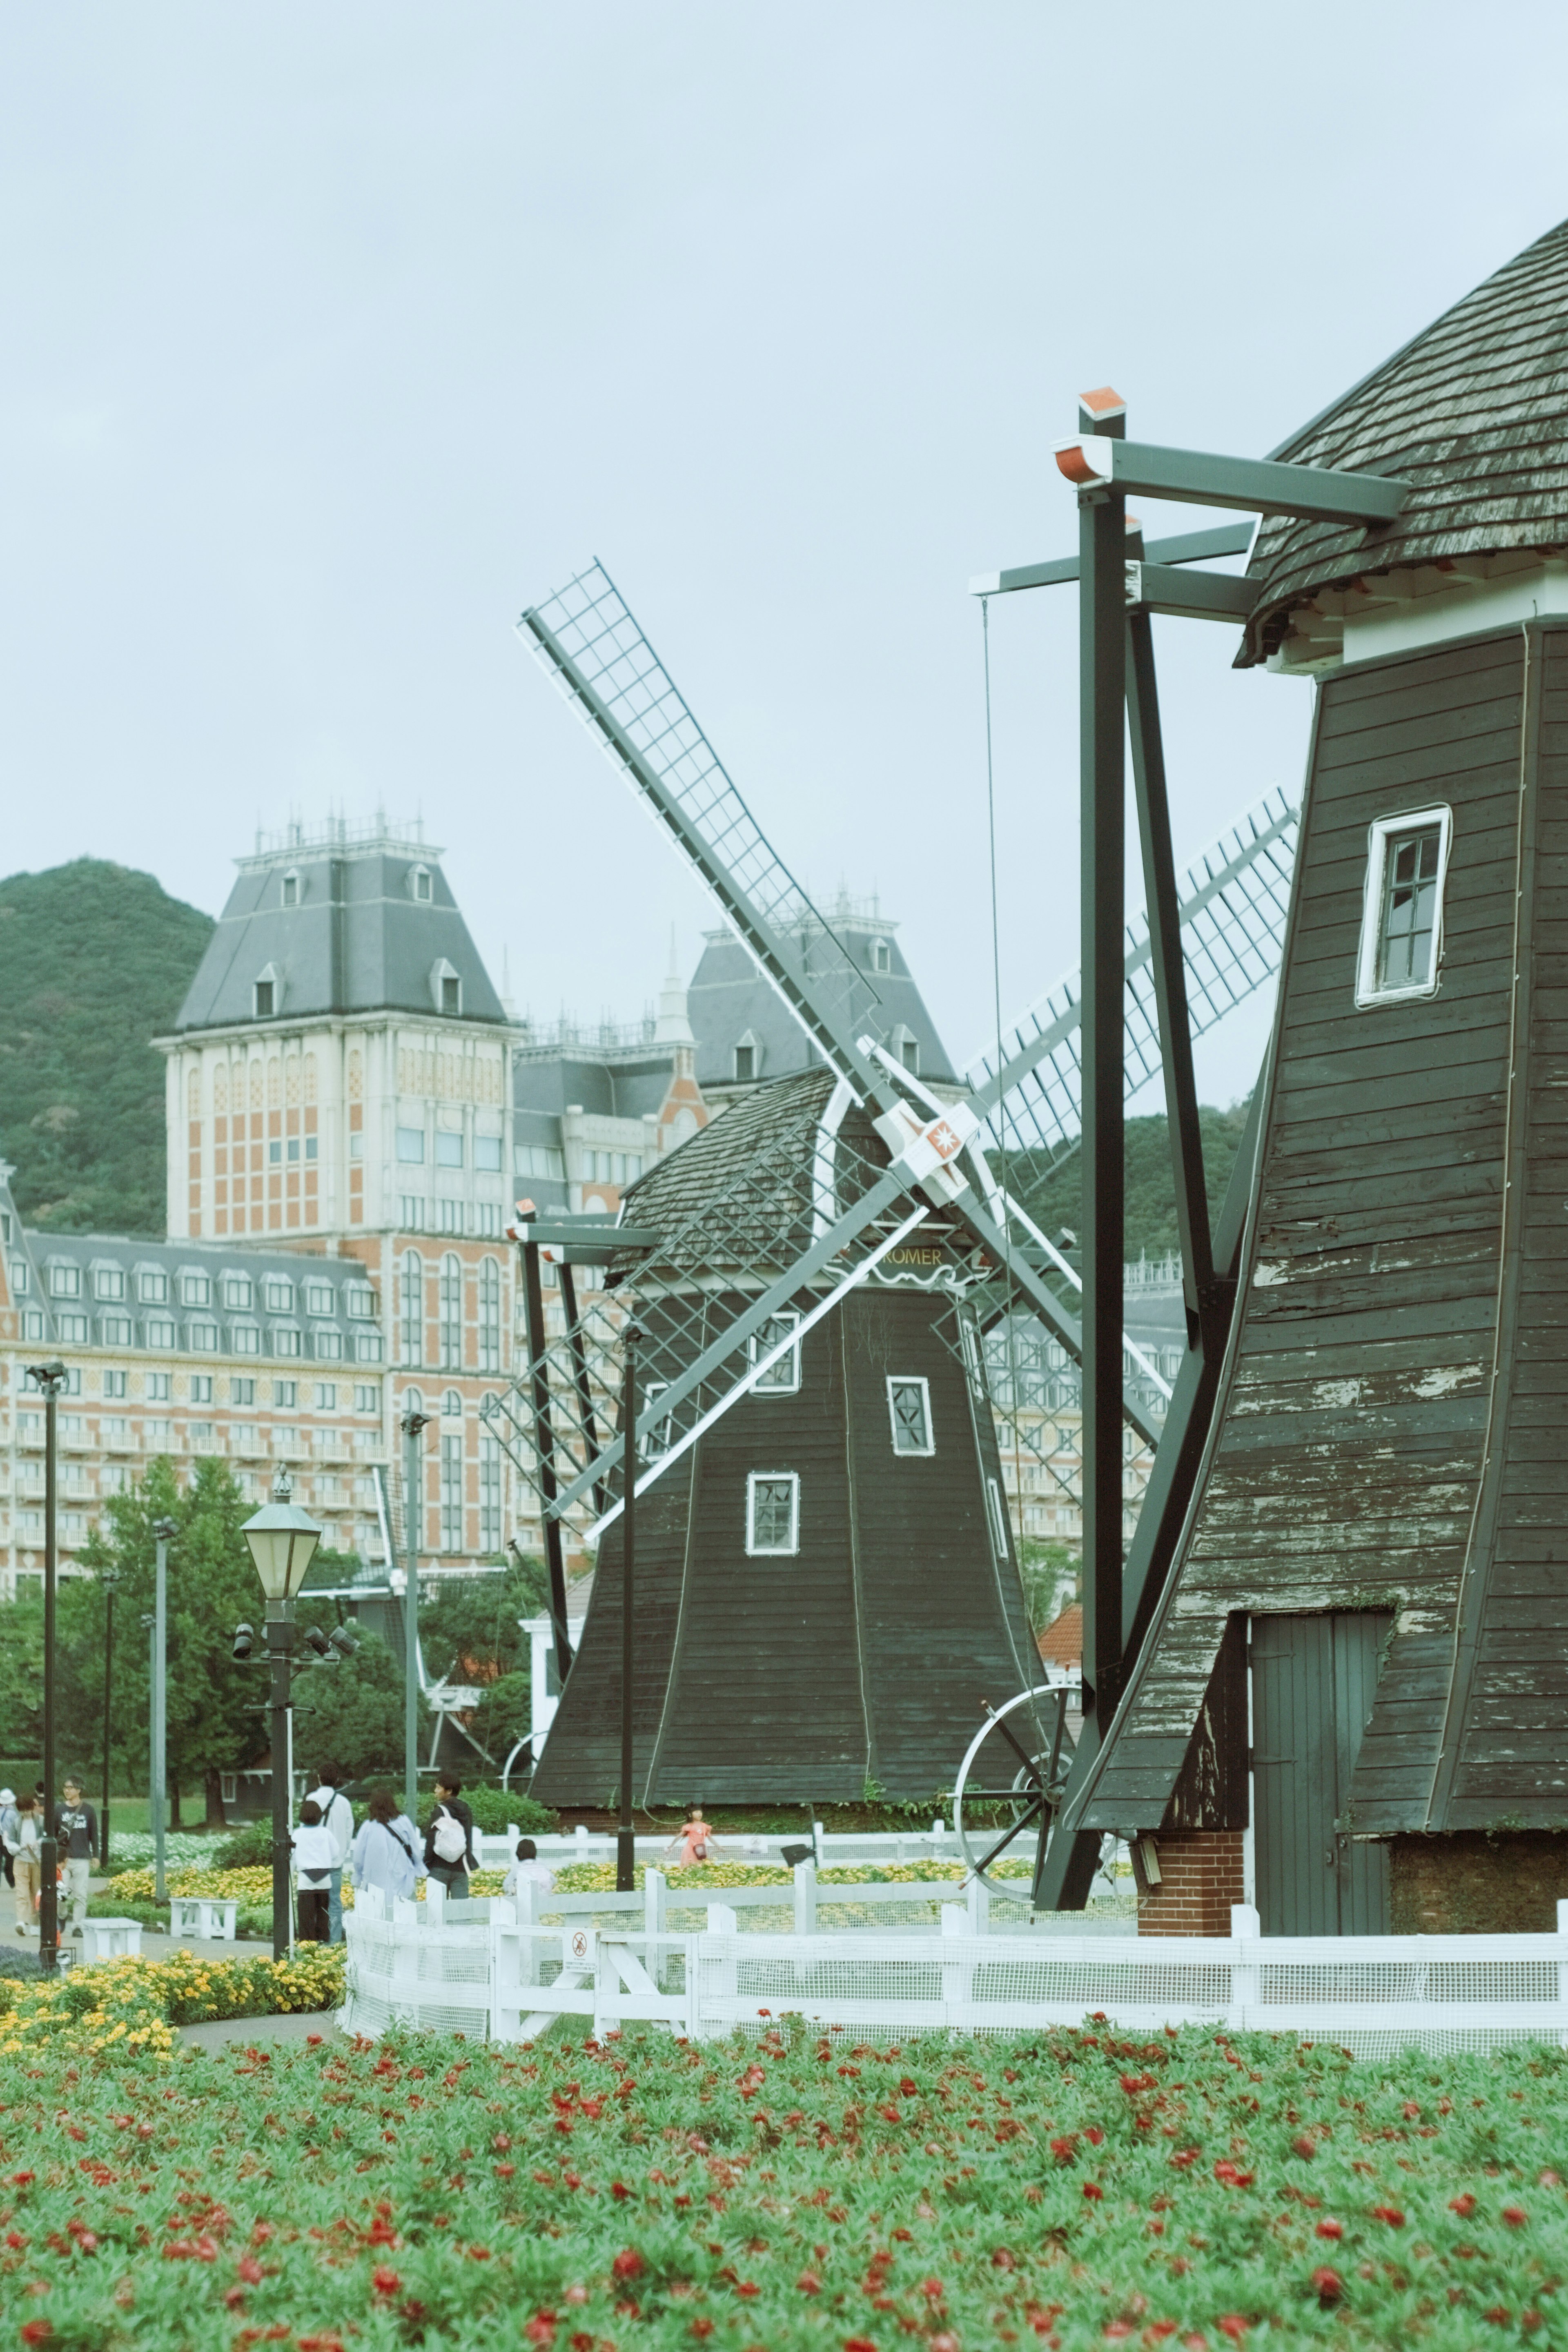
{"points": [[609, 1167], [416, 882], [327, 1345], [449, 1312], [192, 1287], [446, 1149], [483, 1218], [324, 1394]]}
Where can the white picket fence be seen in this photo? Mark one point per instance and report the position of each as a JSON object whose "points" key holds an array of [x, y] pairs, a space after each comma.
{"points": [[479, 1969]]}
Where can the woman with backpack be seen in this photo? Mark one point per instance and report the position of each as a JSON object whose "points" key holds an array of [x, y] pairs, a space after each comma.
{"points": [[385, 1853], [450, 1841]]}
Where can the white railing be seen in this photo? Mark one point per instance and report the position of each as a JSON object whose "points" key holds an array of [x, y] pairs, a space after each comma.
{"points": [[581, 1844], [484, 1970]]}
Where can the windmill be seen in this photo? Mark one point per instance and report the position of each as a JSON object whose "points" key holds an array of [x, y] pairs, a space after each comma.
{"points": [[759, 1234]]}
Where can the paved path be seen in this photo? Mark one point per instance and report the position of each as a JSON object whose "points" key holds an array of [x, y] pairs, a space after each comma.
{"points": [[298, 2026]]}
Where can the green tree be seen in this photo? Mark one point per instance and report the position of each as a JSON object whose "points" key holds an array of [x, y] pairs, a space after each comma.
{"points": [[471, 1630], [212, 1701], [1051, 1573], [351, 1713]]}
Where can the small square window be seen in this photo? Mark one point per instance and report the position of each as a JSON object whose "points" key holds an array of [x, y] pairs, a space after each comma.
{"points": [[772, 1511], [195, 1290], [284, 1392], [310, 1147], [326, 1396], [487, 1152], [909, 1405], [411, 1145], [318, 1298], [367, 1396], [153, 1288], [448, 1148], [201, 1388], [279, 1294], [782, 1377], [114, 1384], [275, 1153], [242, 1390], [1402, 908], [158, 1388], [108, 1282], [293, 1147]]}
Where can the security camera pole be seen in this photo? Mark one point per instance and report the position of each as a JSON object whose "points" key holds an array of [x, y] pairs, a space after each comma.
{"points": [[626, 1841], [50, 1380], [163, 1531]]}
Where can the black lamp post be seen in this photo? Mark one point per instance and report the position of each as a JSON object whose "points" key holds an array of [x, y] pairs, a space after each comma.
{"points": [[50, 1380], [108, 1577], [282, 1540], [625, 1840]]}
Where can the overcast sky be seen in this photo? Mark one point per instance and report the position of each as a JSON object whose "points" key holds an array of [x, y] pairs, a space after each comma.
{"points": [[335, 335]]}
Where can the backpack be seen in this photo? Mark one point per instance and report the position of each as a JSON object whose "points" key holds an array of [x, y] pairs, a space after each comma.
{"points": [[448, 1839]]}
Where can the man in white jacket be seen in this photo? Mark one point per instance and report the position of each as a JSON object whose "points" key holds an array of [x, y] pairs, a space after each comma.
{"points": [[338, 1821]]}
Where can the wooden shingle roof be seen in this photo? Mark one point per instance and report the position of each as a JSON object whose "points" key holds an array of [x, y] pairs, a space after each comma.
{"points": [[1473, 413]]}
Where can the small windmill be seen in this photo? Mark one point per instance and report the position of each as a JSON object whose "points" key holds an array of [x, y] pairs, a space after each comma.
{"points": [[766, 1225]]}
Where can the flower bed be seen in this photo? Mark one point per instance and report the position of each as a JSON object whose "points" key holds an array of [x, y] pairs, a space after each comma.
{"points": [[139, 2002], [1070, 2191], [712, 1877]]}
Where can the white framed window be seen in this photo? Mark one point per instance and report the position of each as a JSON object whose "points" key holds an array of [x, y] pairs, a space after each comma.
{"points": [[116, 1330], [487, 1152], [660, 1434], [279, 1294], [108, 1282], [65, 1281], [410, 1145], [909, 1409], [266, 992], [238, 1293], [999, 1511], [748, 1057], [1401, 907], [159, 1331], [881, 956], [320, 1299], [245, 1339], [292, 888], [448, 1148], [781, 1379], [419, 884], [773, 1512]]}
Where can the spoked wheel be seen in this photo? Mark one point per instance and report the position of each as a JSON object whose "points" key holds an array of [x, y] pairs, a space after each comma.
{"points": [[1015, 1771]]}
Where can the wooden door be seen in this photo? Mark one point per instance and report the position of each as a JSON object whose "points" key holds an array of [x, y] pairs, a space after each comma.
{"points": [[1312, 1684]]}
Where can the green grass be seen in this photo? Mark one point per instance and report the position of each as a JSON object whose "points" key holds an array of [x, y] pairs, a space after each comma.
{"points": [[1072, 2189]]}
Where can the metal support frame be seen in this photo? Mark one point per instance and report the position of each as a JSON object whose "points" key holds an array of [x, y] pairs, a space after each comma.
{"points": [[625, 1839], [544, 1451], [280, 1659], [1102, 531], [1141, 469], [585, 1422]]}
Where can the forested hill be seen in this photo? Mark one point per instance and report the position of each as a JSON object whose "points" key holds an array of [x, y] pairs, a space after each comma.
{"points": [[1055, 1199], [94, 961]]}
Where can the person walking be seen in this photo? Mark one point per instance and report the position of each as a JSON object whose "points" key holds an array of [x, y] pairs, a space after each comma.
{"points": [[450, 1841], [338, 1821], [313, 1853], [76, 1832], [386, 1853], [26, 1862], [7, 1831]]}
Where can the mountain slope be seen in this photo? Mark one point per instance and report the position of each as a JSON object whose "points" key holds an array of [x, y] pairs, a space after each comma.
{"points": [[94, 960], [1055, 1199]]}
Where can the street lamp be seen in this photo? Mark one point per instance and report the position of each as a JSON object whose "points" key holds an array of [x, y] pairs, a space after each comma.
{"points": [[109, 1579], [164, 1534], [50, 1378], [282, 1540]]}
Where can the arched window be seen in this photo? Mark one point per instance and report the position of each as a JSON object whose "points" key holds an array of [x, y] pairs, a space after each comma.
{"points": [[489, 1493], [451, 1406], [490, 1316], [451, 1312], [413, 1305]]}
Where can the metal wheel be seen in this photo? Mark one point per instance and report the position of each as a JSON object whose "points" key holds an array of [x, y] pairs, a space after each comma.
{"points": [[1024, 1771]]}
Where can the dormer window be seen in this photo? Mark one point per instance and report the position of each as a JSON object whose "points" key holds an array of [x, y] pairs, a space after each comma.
{"points": [[292, 888], [881, 956], [905, 1048], [419, 884], [446, 988], [269, 992], [748, 1057]]}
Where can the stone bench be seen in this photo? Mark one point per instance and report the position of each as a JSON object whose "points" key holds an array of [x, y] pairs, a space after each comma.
{"points": [[110, 1939], [209, 1917]]}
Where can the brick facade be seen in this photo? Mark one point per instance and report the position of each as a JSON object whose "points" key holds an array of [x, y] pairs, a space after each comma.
{"points": [[1201, 1875], [1470, 1883]]}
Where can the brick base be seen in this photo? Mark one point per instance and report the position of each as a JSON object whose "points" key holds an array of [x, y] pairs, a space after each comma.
{"points": [[1200, 1877], [1472, 1885]]}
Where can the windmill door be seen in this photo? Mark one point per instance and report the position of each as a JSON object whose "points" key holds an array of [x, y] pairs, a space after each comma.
{"points": [[1312, 1685]]}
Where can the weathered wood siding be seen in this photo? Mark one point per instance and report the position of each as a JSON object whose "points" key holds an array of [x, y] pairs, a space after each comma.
{"points": [[1347, 1468]]}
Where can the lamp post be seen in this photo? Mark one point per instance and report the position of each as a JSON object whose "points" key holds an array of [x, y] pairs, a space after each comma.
{"points": [[49, 1378], [282, 1540], [625, 1840], [163, 1531], [411, 1424], [108, 1577]]}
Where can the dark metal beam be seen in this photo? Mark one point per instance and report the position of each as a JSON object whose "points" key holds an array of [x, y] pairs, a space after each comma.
{"points": [[1191, 596], [1168, 971], [584, 1396], [545, 1448], [1141, 469], [1188, 547], [1102, 535]]}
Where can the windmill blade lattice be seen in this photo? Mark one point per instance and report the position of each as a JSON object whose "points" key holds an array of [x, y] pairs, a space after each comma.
{"points": [[1234, 899]]}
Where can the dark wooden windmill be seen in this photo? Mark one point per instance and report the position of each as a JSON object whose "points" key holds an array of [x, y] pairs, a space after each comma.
{"points": [[1379, 1536], [826, 1588]]}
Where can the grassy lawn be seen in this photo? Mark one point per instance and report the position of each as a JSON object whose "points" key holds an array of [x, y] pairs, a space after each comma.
{"points": [[1073, 2189]]}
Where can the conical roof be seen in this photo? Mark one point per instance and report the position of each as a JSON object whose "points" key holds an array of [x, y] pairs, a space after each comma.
{"points": [[1473, 413]]}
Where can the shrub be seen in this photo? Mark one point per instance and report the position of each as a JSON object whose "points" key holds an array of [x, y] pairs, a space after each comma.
{"points": [[248, 1846], [493, 1807]]}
